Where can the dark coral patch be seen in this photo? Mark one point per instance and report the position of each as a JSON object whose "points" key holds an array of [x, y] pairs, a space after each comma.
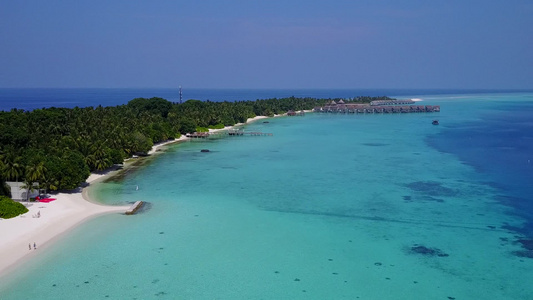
{"points": [[527, 254], [428, 251], [527, 244]]}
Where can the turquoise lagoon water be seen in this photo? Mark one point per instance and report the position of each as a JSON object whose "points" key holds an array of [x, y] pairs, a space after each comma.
{"points": [[329, 207]]}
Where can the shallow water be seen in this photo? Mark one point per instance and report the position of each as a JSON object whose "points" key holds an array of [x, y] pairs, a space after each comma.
{"points": [[329, 207]]}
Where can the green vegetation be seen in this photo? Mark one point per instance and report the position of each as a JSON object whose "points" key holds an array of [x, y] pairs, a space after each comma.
{"points": [[202, 129], [10, 209], [217, 126], [59, 147]]}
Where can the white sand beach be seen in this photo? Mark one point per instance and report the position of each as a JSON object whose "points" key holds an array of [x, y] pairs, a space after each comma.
{"points": [[58, 217]]}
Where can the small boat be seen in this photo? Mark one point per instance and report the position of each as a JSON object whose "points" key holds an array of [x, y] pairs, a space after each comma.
{"points": [[204, 150], [435, 122]]}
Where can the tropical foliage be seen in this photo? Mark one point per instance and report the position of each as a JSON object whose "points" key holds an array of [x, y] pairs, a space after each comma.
{"points": [[59, 147], [10, 209]]}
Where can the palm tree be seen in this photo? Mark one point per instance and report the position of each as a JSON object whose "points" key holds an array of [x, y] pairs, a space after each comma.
{"points": [[12, 167], [34, 172]]}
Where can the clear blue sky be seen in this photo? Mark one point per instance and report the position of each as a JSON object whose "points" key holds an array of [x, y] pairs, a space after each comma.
{"points": [[267, 44]]}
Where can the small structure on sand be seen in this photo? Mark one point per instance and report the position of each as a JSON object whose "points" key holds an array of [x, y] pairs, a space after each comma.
{"points": [[292, 113]]}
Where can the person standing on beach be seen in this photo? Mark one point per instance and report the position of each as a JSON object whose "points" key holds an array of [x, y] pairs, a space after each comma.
{"points": [[29, 246], [34, 246]]}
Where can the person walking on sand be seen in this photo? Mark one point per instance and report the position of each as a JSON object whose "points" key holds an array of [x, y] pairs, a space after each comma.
{"points": [[29, 246], [34, 246]]}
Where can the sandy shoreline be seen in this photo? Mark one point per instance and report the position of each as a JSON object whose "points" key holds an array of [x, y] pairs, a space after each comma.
{"points": [[56, 218], [59, 216]]}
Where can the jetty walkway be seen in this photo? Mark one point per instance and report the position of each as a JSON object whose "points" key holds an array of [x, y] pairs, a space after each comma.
{"points": [[380, 106], [227, 133]]}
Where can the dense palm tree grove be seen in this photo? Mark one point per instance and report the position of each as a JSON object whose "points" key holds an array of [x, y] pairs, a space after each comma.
{"points": [[59, 147]]}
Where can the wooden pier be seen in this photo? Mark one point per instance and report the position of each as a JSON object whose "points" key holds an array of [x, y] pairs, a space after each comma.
{"points": [[224, 133], [134, 208]]}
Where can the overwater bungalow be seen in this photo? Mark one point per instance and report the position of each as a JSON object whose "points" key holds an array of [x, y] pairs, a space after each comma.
{"points": [[342, 107], [405, 109]]}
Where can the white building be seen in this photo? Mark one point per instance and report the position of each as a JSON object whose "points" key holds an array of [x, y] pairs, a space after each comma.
{"points": [[19, 190]]}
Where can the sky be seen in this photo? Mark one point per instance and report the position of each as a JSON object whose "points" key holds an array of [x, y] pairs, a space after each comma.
{"points": [[467, 44]]}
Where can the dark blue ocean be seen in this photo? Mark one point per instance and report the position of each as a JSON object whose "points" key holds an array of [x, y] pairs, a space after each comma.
{"points": [[498, 142]]}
